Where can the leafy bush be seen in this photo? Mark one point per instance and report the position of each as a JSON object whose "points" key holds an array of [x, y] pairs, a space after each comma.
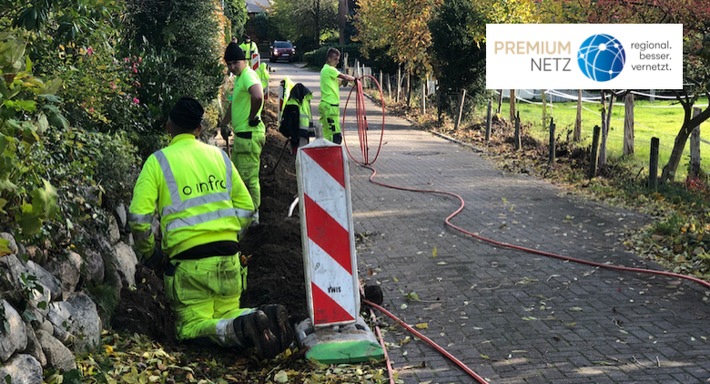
{"points": [[90, 171], [236, 12], [27, 199], [181, 53]]}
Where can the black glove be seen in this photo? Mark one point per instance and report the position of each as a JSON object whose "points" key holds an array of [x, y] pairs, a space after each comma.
{"points": [[158, 260], [254, 122]]}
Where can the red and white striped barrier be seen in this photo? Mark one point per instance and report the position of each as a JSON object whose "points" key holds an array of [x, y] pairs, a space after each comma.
{"points": [[330, 264], [255, 61]]}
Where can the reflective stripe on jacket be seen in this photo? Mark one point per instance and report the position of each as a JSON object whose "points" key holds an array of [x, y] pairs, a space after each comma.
{"points": [[197, 193]]}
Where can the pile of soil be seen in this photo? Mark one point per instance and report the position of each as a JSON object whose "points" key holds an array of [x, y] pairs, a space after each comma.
{"points": [[274, 250]]}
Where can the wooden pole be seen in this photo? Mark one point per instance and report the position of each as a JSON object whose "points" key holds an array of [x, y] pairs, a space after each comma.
{"points": [[695, 148], [518, 140], [551, 160], [380, 79], [389, 86], [653, 164], [605, 131], [458, 120], [595, 152], [424, 97], [489, 119], [629, 124], [399, 82], [500, 101], [577, 135], [512, 104], [544, 107]]}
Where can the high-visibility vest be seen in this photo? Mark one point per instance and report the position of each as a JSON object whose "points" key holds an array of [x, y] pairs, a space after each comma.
{"points": [[249, 49], [284, 93], [198, 194], [263, 73], [304, 116]]}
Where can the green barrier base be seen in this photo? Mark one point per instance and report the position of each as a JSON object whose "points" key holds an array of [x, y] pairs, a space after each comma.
{"points": [[339, 344], [343, 352]]}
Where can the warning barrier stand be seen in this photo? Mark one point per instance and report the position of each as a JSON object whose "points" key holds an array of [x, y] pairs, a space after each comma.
{"points": [[334, 332]]}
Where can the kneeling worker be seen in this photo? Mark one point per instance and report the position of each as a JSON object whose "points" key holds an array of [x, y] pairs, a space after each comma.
{"points": [[204, 210]]}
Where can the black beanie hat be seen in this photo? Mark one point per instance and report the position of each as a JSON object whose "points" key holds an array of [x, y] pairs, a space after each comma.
{"points": [[187, 113], [233, 52]]}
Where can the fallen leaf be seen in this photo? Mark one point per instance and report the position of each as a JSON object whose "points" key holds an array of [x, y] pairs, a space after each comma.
{"points": [[422, 325], [281, 377]]}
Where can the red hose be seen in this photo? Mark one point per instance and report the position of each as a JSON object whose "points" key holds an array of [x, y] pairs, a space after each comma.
{"points": [[428, 341], [362, 125], [530, 250]]}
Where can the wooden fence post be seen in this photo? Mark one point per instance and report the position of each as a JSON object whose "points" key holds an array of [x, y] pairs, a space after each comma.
{"points": [[399, 82], [518, 140], [423, 97], [489, 119], [500, 101], [594, 160], [551, 160], [380, 80], [577, 133], [695, 148], [629, 124], [653, 164], [512, 101], [458, 120], [389, 86], [544, 107]]}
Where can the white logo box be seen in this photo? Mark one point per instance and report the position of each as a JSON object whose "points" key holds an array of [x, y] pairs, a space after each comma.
{"points": [[615, 56]]}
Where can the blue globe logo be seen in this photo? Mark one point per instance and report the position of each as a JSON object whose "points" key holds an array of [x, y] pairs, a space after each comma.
{"points": [[601, 57]]}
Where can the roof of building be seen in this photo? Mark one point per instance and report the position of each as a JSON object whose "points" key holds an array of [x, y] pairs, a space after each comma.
{"points": [[258, 6]]}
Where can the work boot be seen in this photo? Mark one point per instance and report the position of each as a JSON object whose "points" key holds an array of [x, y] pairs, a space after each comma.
{"points": [[253, 330], [279, 324]]}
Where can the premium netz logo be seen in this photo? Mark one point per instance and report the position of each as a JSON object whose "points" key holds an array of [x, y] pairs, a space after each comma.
{"points": [[601, 57], [552, 56]]}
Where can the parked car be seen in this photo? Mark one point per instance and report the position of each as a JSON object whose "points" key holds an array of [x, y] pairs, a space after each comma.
{"points": [[283, 50]]}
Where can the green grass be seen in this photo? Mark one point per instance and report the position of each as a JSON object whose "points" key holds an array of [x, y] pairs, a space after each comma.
{"points": [[661, 119]]}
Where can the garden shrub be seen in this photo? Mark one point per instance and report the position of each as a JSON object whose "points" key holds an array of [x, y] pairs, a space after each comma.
{"points": [[27, 199]]}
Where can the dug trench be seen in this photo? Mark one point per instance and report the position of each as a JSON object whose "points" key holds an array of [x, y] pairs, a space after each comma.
{"points": [[273, 249]]}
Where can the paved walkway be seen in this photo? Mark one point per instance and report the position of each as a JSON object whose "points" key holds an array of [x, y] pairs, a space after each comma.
{"points": [[512, 316]]}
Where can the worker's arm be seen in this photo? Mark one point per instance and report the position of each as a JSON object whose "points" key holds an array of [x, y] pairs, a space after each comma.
{"points": [[346, 77], [257, 100], [242, 202], [143, 208], [227, 116], [224, 128]]}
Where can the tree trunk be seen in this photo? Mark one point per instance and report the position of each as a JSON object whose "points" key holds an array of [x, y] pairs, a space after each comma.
{"points": [[577, 136], [681, 139], [629, 124], [316, 20], [512, 105], [342, 11]]}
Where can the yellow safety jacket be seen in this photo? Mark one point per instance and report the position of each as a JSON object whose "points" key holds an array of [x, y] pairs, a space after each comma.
{"points": [[286, 86], [196, 191], [263, 73], [304, 112]]}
